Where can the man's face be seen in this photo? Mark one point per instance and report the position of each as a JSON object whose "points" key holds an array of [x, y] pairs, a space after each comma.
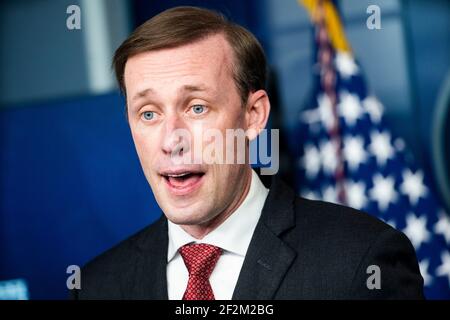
{"points": [[190, 88]]}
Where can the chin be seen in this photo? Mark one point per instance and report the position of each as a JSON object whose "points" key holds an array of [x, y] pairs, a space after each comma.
{"points": [[179, 210], [188, 218]]}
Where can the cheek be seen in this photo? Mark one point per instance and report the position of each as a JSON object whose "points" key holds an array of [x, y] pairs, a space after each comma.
{"points": [[228, 117], [234, 118], [210, 138], [145, 144]]}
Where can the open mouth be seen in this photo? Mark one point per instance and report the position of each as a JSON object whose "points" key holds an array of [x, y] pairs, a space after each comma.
{"points": [[183, 181]]}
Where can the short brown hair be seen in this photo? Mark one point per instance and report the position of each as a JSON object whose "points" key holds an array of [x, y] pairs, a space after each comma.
{"points": [[182, 25]]}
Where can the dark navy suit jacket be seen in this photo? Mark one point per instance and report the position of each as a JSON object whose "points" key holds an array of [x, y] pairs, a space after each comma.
{"points": [[301, 249]]}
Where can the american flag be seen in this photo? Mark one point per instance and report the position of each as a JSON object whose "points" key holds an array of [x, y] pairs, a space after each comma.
{"points": [[348, 155]]}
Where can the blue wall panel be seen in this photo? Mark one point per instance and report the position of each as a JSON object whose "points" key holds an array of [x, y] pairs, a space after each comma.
{"points": [[71, 187]]}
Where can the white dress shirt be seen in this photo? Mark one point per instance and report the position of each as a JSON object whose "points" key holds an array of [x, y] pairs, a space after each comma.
{"points": [[233, 236]]}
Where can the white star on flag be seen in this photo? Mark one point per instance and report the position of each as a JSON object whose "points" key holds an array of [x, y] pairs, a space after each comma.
{"points": [[444, 269], [443, 226], [374, 108], [413, 186], [383, 191], [391, 223], [345, 64], [416, 230], [326, 111], [329, 194], [381, 147], [354, 152], [423, 266], [309, 160], [350, 108], [328, 156], [356, 197], [308, 194]]}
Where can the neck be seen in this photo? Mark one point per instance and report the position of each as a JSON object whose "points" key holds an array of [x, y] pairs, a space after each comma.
{"points": [[201, 230]]}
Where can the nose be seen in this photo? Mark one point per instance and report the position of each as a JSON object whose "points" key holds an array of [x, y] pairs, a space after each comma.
{"points": [[176, 137]]}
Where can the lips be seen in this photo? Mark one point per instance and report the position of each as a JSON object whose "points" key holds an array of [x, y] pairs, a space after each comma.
{"points": [[182, 181]]}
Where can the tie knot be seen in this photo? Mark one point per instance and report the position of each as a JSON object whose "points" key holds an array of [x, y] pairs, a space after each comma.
{"points": [[200, 259]]}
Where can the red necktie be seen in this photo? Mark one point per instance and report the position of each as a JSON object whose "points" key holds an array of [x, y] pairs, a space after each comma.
{"points": [[200, 260]]}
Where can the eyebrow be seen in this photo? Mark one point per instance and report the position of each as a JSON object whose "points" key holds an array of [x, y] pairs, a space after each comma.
{"points": [[188, 88]]}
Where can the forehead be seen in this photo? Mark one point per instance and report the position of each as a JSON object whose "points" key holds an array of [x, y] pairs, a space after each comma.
{"points": [[208, 60]]}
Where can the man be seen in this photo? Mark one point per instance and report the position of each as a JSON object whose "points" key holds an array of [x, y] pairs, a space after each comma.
{"points": [[223, 235]]}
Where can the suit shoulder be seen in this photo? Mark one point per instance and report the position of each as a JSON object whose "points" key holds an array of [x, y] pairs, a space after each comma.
{"points": [[106, 272], [340, 220], [124, 250]]}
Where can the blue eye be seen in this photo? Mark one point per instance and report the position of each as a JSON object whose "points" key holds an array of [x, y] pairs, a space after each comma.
{"points": [[148, 115], [198, 108]]}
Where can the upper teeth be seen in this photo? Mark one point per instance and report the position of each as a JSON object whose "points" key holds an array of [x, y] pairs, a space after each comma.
{"points": [[177, 175]]}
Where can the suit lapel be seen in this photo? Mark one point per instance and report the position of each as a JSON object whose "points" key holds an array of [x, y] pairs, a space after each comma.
{"points": [[268, 257], [264, 267]]}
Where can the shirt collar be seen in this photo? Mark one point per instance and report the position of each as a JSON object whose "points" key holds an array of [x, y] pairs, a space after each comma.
{"points": [[235, 233]]}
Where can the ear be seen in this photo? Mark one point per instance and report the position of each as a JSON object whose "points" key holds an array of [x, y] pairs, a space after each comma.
{"points": [[257, 113]]}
